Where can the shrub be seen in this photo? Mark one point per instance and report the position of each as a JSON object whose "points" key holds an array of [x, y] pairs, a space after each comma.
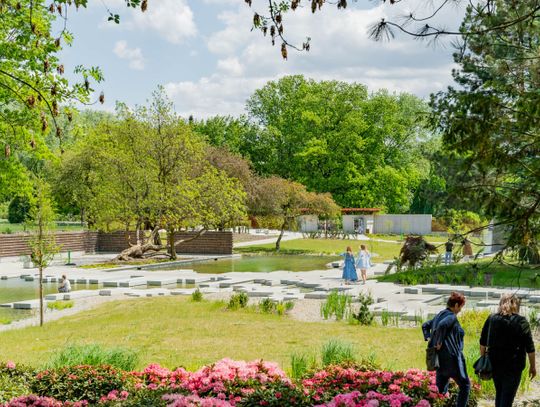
{"points": [[385, 317], [95, 355], [533, 319], [336, 304], [197, 296], [472, 321], [135, 398], [277, 394], [267, 306], [179, 400], [335, 352], [37, 401], [14, 380], [18, 209], [77, 383], [364, 316], [236, 301], [60, 305]]}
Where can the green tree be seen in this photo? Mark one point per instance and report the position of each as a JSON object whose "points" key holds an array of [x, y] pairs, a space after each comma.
{"points": [[334, 137], [491, 120], [42, 240]]}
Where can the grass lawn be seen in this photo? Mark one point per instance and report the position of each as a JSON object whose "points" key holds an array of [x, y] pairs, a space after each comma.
{"points": [[500, 275], [383, 250], [174, 331], [9, 228]]}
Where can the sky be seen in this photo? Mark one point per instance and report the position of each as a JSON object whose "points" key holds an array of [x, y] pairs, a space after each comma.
{"points": [[210, 61]]}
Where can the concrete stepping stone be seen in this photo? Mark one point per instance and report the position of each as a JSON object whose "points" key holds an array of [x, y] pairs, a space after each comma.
{"points": [[162, 282], [80, 294]]}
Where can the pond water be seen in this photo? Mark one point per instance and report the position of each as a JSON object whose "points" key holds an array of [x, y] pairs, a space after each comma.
{"points": [[17, 289], [262, 264]]}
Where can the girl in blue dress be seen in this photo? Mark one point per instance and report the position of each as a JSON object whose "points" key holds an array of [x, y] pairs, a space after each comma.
{"points": [[349, 269], [363, 261]]}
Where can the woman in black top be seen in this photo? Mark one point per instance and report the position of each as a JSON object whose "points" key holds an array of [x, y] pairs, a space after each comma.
{"points": [[509, 340]]}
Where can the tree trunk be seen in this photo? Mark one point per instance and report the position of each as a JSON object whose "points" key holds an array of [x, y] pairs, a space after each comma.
{"points": [[172, 245], [278, 241], [40, 295]]}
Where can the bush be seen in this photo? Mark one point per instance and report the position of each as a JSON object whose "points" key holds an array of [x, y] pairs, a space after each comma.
{"points": [[94, 355], [197, 296], [18, 209], [60, 305], [336, 352], [364, 316], [533, 319], [277, 394], [301, 364], [37, 401], [236, 301], [267, 306], [75, 383], [14, 381]]}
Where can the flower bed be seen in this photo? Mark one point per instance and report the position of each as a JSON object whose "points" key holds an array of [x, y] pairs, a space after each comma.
{"points": [[227, 383]]}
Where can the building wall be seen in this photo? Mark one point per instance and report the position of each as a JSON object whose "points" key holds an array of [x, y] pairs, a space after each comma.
{"points": [[209, 243], [406, 224], [308, 223], [349, 223]]}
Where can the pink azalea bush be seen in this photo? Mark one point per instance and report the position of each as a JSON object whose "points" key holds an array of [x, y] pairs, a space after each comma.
{"points": [[229, 383], [416, 385]]}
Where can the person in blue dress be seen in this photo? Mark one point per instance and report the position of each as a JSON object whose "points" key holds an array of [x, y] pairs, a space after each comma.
{"points": [[363, 261], [349, 269]]}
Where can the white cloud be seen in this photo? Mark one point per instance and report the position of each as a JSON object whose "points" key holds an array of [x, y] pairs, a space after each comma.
{"points": [[133, 55], [230, 66], [172, 19], [341, 50]]}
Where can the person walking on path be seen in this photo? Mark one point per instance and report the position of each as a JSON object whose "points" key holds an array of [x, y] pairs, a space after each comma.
{"points": [[445, 333], [349, 270], [509, 340], [448, 247], [363, 261]]}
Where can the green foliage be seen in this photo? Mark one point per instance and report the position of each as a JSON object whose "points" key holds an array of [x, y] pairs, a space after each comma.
{"points": [[75, 383], [14, 381], [197, 295], [364, 316], [490, 120], [239, 300], [19, 209], [60, 305], [94, 355], [336, 304], [385, 317], [267, 306], [301, 363], [335, 137], [337, 352], [533, 319], [278, 394]]}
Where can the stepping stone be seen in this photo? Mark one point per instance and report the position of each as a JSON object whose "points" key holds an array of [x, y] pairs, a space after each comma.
{"points": [[54, 297], [162, 282], [412, 290], [316, 295], [80, 294], [7, 305]]}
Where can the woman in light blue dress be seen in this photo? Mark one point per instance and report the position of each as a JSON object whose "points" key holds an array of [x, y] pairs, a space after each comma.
{"points": [[349, 269], [363, 261]]}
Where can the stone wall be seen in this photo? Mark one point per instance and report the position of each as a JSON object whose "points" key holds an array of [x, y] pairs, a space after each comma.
{"points": [[17, 244], [209, 243]]}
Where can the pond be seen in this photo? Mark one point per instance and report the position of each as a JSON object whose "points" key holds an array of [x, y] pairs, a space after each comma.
{"points": [[17, 289], [261, 264]]}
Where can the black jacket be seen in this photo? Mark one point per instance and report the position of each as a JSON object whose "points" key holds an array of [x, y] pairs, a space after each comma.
{"points": [[509, 342]]}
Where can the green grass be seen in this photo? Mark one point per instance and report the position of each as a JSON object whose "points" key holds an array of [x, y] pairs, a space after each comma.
{"points": [[8, 228], [500, 275], [94, 354], [113, 264], [192, 334], [381, 250], [60, 305]]}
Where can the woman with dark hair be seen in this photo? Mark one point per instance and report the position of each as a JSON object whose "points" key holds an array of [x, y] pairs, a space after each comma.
{"points": [[349, 270], [446, 335], [506, 337]]}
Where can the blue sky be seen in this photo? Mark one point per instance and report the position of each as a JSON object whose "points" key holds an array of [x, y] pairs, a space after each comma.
{"points": [[209, 60]]}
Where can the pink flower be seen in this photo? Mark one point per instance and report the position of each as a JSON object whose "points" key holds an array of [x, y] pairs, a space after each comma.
{"points": [[10, 364]]}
